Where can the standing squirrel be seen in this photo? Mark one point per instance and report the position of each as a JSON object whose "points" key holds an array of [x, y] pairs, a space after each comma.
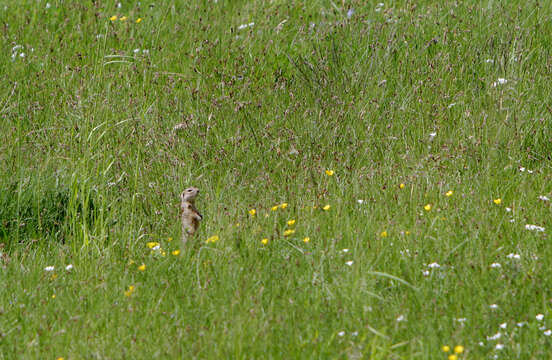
{"points": [[188, 213]]}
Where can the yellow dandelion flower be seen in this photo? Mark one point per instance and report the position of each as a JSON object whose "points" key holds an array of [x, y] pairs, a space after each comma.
{"points": [[458, 349], [237, 224], [252, 212], [284, 205], [60, 358], [383, 233], [138, 20], [306, 240], [446, 348], [274, 208], [407, 232], [291, 222], [264, 241], [53, 296], [289, 232], [163, 253], [175, 252], [326, 207], [401, 186], [113, 18], [427, 207], [123, 18], [449, 193], [452, 357], [212, 239], [152, 244], [142, 267], [497, 201], [129, 291], [329, 172]]}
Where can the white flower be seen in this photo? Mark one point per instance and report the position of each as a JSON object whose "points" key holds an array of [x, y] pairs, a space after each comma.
{"points": [[354, 333], [548, 332], [489, 61], [493, 306], [495, 265], [360, 201], [521, 324], [534, 228], [345, 250], [530, 171], [451, 105], [136, 51], [48, 5], [349, 263], [481, 343], [145, 52], [425, 272], [432, 135], [508, 209], [522, 169], [462, 320], [401, 318], [542, 328], [544, 198], [499, 346], [69, 267], [156, 247], [513, 256], [434, 265], [350, 13], [243, 26], [539, 317], [49, 268], [503, 325], [499, 81], [378, 7], [119, 5], [495, 336], [22, 55], [512, 220], [341, 333]]}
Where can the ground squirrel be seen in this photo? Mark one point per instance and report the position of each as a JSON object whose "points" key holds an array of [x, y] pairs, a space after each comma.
{"points": [[188, 213]]}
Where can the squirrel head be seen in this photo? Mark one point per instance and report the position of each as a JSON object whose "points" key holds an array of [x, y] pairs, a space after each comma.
{"points": [[189, 194]]}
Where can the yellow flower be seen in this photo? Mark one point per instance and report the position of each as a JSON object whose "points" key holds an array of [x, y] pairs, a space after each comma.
{"points": [[291, 222], [446, 348], [152, 244], [169, 239], [497, 201], [452, 357], [60, 358], [123, 18], [252, 212], [284, 205], [427, 207], [274, 208], [383, 233], [458, 349], [449, 193], [407, 232], [53, 296], [329, 172], [129, 291], [306, 240], [131, 262], [175, 252], [289, 232], [54, 276], [113, 18], [142, 267], [401, 186], [138, 20], [164, 253], [237, 224], [326, 207], [212, 239], [264, 241]]}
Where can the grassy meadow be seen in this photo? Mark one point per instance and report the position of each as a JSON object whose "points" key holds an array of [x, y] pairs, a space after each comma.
{"points": [[375, 179]]}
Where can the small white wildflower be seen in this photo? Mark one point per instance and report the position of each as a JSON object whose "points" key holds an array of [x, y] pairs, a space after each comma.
{"points": [[401, 318], [360, 201], [499, 81], [434, 265], [499, 346], [481, 343], [49, 268], [503, 325], [425, 272], [341, 333], [17, 47], [243, 26], [354, 333], [119, 5], [378, 7], [512, 220], [69, 267], [542, 328], [489, 61], [145, 52], [513, 256], [544, 198], [534, 228], [156, 247], [349, 263], [522, 169], [48, 5], [495, 336], [462, 320], [508, 209], [22, 55], [521, 324], [350, 13], [432, 135], [548, 332], [496, 265], [530, 171], [345, 250], [539, 317], [136, 51], [451, 105], [493, 306]]}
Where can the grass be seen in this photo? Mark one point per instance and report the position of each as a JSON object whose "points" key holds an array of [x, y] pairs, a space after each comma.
{"points": [[400, 93]]}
